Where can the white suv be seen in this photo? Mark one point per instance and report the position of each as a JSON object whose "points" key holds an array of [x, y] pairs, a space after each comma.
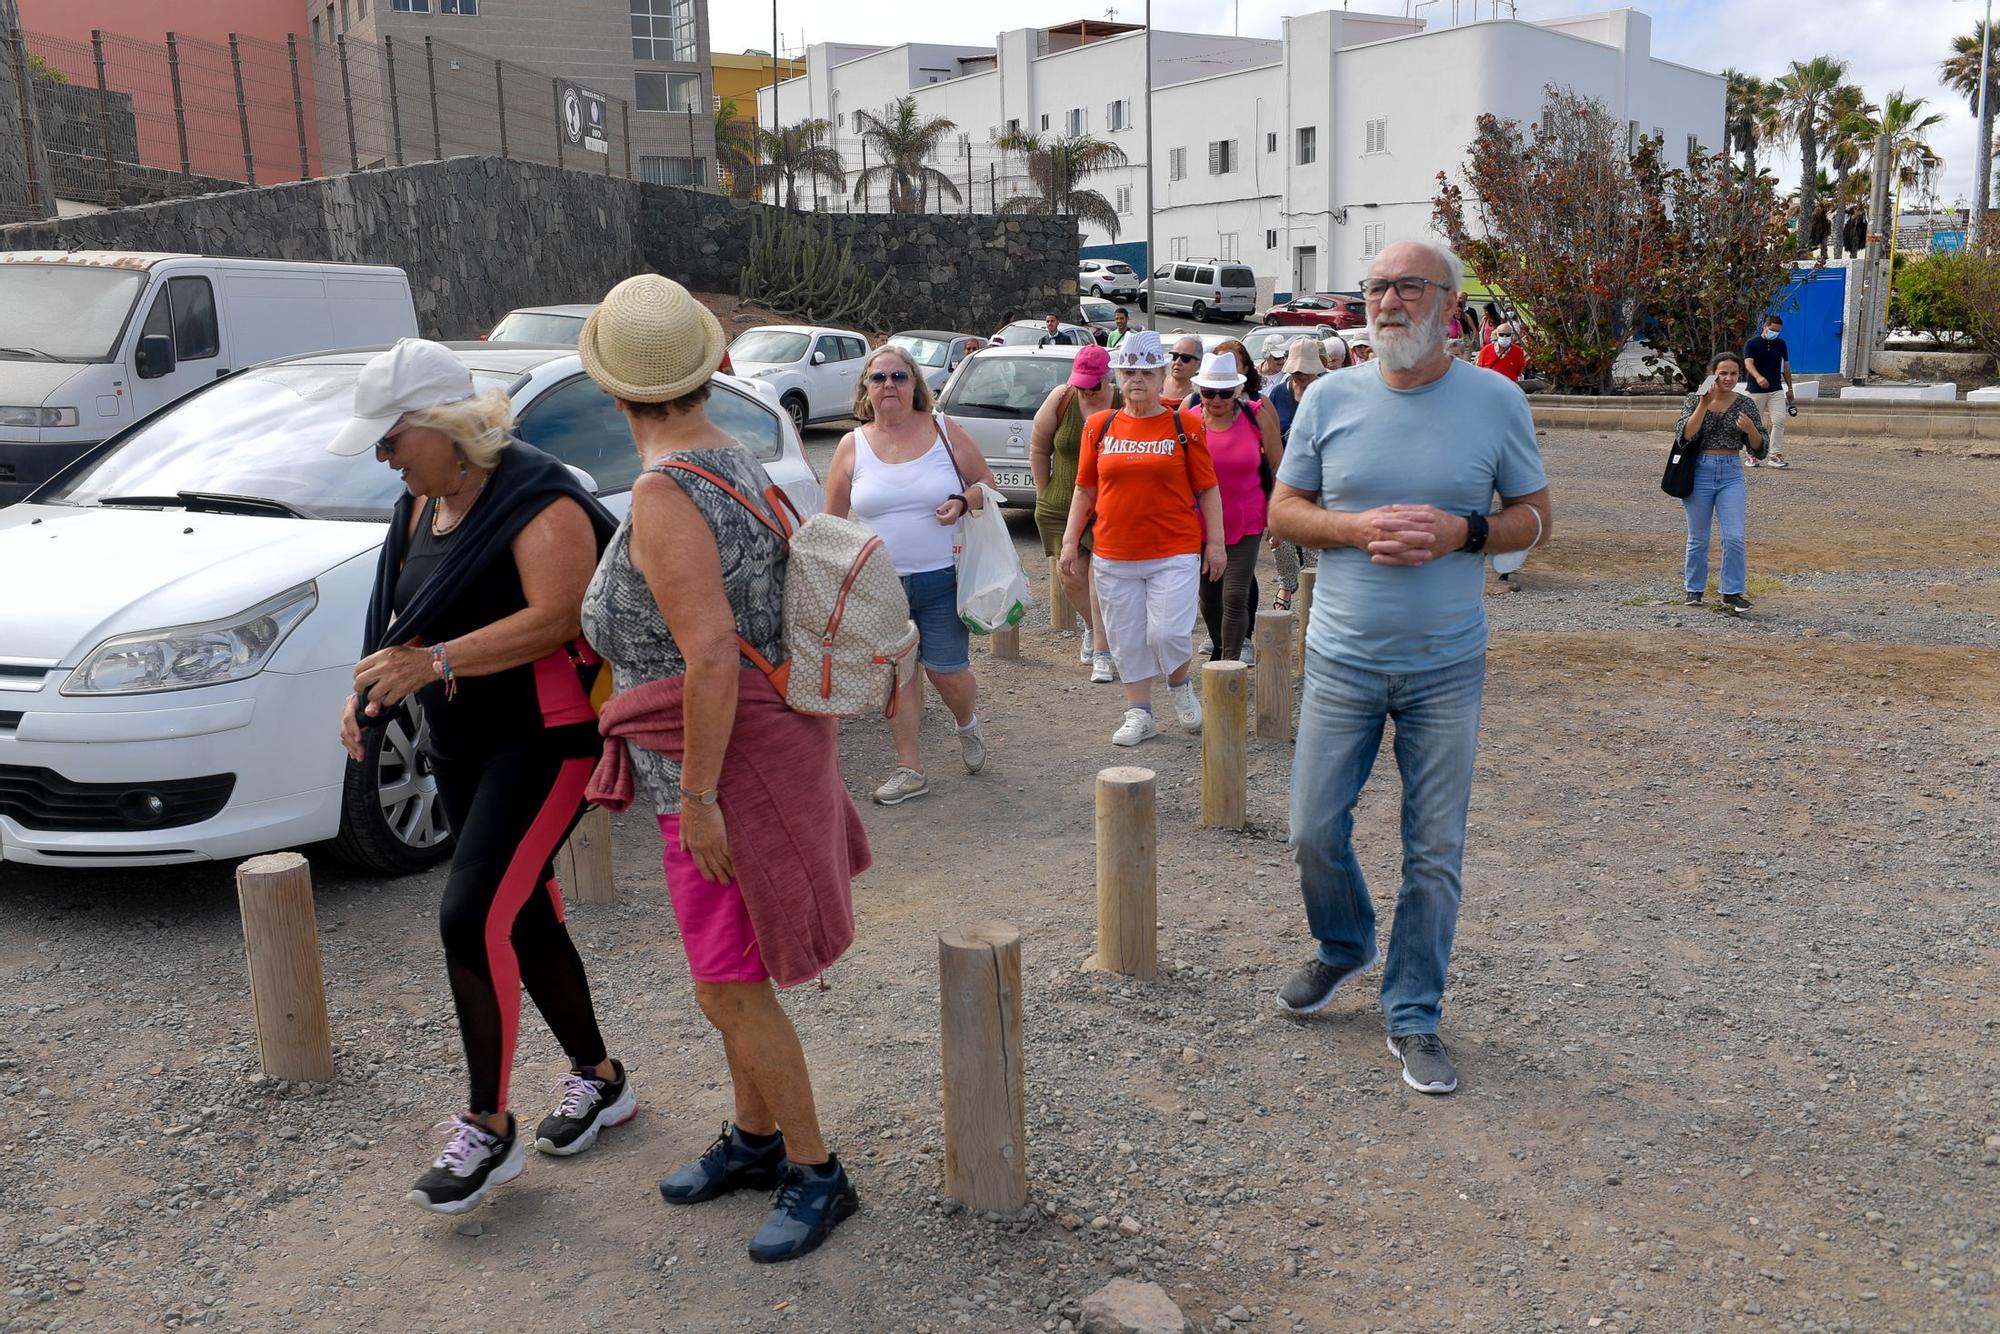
{"points": [[814, 370], [1112, 278]]}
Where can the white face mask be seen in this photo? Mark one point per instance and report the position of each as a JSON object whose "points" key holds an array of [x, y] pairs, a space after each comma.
{"points": [[1505, 340]]}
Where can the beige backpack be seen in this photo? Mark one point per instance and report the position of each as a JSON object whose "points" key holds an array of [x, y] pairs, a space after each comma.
{"points": [[849, 639]]}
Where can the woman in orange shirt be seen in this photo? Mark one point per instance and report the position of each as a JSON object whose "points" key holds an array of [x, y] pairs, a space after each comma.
{"points": [[1145, 475]]}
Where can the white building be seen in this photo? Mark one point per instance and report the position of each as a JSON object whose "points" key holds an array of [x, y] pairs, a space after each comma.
{"points": [[1300, 157]]}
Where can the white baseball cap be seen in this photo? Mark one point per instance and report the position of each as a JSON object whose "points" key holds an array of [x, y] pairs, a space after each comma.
{"points": [[416, 373]]}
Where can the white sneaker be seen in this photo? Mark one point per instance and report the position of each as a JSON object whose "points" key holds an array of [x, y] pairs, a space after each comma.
{"points": [[1186, 706], [972, 748], [1138, 726], [1083, 654], [902, 785], [1101, 669]]}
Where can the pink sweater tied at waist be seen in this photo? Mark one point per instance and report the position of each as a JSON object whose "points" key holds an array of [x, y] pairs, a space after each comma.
{"points": [[794, 835]]}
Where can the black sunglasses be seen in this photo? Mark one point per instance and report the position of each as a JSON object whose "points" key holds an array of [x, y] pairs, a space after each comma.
{"points": [[1185, 356], [1218, 393], [884, 377]]}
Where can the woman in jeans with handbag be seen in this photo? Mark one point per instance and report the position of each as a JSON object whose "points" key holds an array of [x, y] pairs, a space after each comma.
{"points": [[1244, 447], [1720, 423], [908, 475]]}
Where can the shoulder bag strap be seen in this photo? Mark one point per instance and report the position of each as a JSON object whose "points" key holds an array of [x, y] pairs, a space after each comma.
{"points": [[763, 664]]}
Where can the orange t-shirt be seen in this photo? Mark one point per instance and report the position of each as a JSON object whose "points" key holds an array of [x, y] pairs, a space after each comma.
{"points": [[1146, 483]]}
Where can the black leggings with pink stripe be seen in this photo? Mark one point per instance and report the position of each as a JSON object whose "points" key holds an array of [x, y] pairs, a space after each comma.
{"points": [[502, 916]]}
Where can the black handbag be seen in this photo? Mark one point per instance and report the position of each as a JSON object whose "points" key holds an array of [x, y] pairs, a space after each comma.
{"points": [[1682, 460]]}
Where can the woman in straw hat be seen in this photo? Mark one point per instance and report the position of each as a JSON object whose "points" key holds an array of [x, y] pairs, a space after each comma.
{"points": [[475, 615], [910, 475], [760, 886]]}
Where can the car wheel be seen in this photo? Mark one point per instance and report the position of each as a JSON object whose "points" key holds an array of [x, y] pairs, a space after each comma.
{"points": [[391, 818], [1270, 320], [1200, 312], [1140, 301], [796, 405]]}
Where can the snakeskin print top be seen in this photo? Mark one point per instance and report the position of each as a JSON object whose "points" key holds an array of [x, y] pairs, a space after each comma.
{"points": [[623, 622], [1718, 430]]}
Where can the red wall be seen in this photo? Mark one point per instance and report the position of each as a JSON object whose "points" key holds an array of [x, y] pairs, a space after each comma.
{"points": [[135, 61]]}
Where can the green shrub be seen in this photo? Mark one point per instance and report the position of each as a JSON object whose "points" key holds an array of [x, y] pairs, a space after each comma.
{"points": [[1927, 295]]}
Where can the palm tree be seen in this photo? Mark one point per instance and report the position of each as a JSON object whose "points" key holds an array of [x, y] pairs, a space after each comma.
{"points": [[736, 148], [1803, 91], [1749, 117], [1960, 73], [1900, 128], [904, 146], [1056, 165], [1846, 114], [796, 151]]}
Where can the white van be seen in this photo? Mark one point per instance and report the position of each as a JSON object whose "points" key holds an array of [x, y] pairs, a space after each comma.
{"points": [[1201, 287], [94, 340]]}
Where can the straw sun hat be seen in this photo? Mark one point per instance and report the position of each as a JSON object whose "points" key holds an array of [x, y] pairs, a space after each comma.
{"points": [[649, 341]]}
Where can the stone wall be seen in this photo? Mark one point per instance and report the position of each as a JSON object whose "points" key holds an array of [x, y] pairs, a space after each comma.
{"points": [[481, 235], [70, 122]]}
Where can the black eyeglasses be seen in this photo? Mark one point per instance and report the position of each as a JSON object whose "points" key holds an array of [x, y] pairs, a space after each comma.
{"points": [[387, 445], [1185, 356], [1408, 288], [1218, 393], [885, 377]]}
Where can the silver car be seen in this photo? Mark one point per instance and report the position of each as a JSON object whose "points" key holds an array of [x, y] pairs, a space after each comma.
{"points": [[549, 326], [936, 352], [993, 398]]}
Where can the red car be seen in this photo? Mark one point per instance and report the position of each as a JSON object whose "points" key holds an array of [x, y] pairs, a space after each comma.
{"points": [[1341, 312]]}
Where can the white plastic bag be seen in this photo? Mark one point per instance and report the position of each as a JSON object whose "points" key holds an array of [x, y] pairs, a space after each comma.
{"points": [[992, 591]]}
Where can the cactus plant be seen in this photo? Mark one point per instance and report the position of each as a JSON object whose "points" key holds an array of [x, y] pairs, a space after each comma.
{"points": [[797, 268]]}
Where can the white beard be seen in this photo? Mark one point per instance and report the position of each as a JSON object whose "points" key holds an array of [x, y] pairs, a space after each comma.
{"points": [[1404, 347]]}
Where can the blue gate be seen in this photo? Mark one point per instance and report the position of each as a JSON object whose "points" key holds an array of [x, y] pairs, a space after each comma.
{"points": [[1814, 305], [1132, 252]]}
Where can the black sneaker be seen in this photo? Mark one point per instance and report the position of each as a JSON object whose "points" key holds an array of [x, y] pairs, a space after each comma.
{"points": [[731, 1163], [589, 1104], [474, 1161], [1427, 1067], [1313, 986], [1691, 598], [809, 1205], [1735, 603]]}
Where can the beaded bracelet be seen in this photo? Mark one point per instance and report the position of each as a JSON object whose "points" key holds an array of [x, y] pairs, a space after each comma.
{"points": [[441, 666]]}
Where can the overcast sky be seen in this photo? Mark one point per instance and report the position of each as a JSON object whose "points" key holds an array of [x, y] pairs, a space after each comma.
{"points": [[1887, 44]]}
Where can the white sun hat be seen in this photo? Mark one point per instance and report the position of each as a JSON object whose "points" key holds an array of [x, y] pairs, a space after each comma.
{"points": [[1218, 371], [1139, 351]]}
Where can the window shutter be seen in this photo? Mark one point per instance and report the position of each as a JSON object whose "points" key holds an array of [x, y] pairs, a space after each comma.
{"points": [[1215, 157]]}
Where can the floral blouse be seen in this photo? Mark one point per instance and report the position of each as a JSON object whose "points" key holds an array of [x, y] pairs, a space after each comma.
{"points": [[1719, 430]]}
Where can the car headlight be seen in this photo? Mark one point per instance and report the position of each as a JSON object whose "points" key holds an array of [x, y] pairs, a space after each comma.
{"points": [[36, 416], [182, 657]]}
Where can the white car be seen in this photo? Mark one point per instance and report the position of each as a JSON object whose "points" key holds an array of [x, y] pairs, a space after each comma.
{"points": [[1112, 278], [814, 370], [184, 609]]}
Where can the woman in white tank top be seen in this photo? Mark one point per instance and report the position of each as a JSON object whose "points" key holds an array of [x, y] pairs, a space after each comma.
{"points": [[904, 475]]}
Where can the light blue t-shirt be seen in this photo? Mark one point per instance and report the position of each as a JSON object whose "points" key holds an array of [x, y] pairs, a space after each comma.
{"points": [[1451, 443]]}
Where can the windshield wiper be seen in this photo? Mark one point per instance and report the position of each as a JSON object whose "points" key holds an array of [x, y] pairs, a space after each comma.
{"points": [[31, 353], [215, 502]]}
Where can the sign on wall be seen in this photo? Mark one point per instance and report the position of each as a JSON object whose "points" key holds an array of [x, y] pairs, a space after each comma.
{"points": [[583, 119]]}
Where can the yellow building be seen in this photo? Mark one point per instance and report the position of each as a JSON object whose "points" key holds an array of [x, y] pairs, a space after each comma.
{"points": [[738, 77]]}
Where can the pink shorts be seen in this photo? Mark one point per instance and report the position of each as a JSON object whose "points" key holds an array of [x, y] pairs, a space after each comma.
{"points": [[715, 926]]}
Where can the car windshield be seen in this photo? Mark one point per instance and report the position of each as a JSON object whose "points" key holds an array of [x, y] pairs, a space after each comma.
{"points": [[1263, 341], [774, 346], [65, 312], [262, 433], [1098, 310], [527, 326], [1003, 386], [923, 351]]}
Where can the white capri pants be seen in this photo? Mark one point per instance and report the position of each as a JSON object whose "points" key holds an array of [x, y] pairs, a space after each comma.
{"points": [[1149, 612]]}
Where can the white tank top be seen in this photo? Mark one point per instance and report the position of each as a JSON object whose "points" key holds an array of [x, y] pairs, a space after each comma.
{"points": [[898, 503]]}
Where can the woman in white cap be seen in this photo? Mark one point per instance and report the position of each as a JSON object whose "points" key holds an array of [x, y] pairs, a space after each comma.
{"points": [[1304, 363], [1360, 347], [760, 841], [1144, 475], [908, 474], [475, 613], [1243, 445]]}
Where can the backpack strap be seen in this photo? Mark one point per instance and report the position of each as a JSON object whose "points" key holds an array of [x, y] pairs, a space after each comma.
{"points": [[780, 527]]}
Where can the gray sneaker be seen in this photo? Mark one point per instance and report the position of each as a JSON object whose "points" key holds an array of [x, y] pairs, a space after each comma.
{"points": [[972, 747], [1313, 986], [902, 785], [1427, 1067]]}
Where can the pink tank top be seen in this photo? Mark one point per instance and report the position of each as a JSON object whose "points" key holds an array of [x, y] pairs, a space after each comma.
{"points": [[1235, 450]]}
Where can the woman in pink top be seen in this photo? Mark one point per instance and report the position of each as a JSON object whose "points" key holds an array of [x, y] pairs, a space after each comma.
{"points": [[1243, 441]]}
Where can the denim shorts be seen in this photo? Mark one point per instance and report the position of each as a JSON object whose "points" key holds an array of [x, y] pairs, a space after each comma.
{"points": [[943, 642]]}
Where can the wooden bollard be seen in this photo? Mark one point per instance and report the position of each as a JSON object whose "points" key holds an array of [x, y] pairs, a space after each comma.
{"points": [[1007, 642], [985, 1088], [287, 990], [1128, 850], [1225, 744], [1062, 616], [1304, 603], [1274, 675], [583, 864]]}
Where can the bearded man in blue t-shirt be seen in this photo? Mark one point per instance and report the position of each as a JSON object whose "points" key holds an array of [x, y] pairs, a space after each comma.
{"points": [[1391, 469]]}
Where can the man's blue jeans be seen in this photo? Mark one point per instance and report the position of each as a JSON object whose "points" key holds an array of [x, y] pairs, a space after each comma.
{"points": [[1341, 717]]}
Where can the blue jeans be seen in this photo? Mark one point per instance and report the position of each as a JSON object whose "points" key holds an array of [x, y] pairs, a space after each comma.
{"points": [[1341, 716], [1718, 491]]}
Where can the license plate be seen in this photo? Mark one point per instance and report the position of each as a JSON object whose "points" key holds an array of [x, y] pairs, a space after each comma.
{"points": [[1018, 481]]}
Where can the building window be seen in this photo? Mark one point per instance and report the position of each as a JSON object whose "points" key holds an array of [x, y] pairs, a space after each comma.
{"points": [[1014, 125], [1659, 135], [671, 170], [1378, 135], [1076, 121], [469, 8], [1228, 246], [343, 15], [1271, 142], [1270, 240], [1045, 120], [1631, 136], [411, 6], [664, 30], [1308, 144], [1371, 239], [1222, 155], [1694, 148], [315, 30], [1122, 199], [840, 120], [1177, 164], [1118, 115], [665, 92], [361, 9], [1176, 247]]}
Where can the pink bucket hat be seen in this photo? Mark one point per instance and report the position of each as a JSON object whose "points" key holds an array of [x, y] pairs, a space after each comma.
{"points": [[1092, 363]]}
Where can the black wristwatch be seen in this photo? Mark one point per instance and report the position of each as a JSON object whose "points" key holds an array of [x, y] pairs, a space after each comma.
{"points": [[1475, 533]]}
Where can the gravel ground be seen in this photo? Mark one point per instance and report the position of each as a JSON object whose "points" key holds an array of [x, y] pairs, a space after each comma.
{"points": [[1723, 999]]}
